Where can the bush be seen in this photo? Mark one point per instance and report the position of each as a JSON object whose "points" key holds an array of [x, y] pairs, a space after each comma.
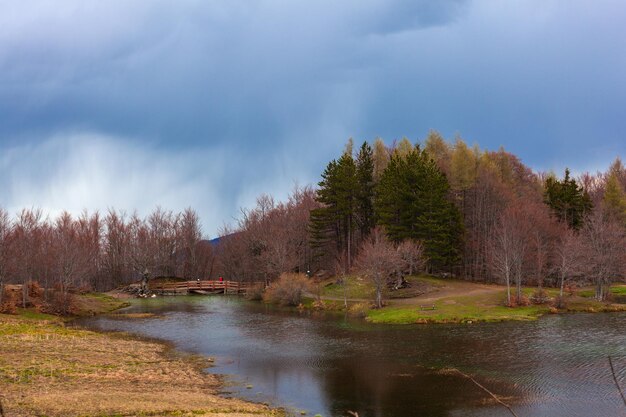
{"points": [[9, 302], [359, 309], [540, 296], [61, 303], [255, 292], [288, 290], [560, 302], [34, 290], [523, 301]]}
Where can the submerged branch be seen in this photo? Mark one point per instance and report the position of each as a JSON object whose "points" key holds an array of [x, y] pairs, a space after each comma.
{"points": [[494, 396], [616, 381]]}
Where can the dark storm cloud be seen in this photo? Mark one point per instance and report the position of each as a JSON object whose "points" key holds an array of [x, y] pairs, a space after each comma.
{"points": [[248, 97], [190, 71]]}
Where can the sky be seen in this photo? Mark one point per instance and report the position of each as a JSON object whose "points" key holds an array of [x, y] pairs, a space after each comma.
{"points": [[210, 103]]}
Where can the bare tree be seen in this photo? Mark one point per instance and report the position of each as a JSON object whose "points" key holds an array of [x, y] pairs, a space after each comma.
{"points": [[378, 260], [142, 250], [189, 234], [72, 258], [508, 248], [6, 230], [89, 230], [604, 257], [567, 257], [161, 242], [232, 254], [412, 254], [28, 236], [116, 248]]}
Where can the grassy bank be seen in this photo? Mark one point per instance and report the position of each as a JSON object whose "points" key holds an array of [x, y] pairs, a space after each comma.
{"points": [[49, 369], [486, 305], [435, 300]]}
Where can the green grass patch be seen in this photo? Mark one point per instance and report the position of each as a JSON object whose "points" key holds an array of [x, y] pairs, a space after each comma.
{"points": [[30, 314], [97, 303], [356, 287], [455, 310], [361, 288], [459, 309], [481, 308], [619, 290]]}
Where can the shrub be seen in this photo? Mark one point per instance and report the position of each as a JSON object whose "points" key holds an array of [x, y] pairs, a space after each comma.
{"points": [[539, 296], [288, 290], [359, 309], [559, 302], [61, 303], [255, 292], [9, 302], [523, 301], [34, 290]]}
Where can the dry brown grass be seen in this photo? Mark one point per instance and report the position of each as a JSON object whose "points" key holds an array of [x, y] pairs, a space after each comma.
{"points": [[48, 369]]}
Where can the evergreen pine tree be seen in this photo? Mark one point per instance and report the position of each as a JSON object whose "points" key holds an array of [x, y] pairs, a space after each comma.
{"points": [[335, 221], [569, 202], [412, 203], [365, 190]]}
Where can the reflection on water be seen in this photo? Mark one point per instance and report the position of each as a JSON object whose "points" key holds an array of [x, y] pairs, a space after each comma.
{"points": [[556, 366]]}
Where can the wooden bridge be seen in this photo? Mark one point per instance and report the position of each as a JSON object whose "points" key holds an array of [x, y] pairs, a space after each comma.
{"points": [[200, 287]]}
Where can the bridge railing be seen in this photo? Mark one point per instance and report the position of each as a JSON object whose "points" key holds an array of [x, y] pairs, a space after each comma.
{"points": [[202, 285]]}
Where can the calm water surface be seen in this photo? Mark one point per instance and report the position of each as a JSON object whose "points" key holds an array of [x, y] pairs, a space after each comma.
{"points": [[325, 364]]}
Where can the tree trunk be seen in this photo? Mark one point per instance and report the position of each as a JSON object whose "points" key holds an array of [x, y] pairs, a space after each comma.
{"points": [[349, 257], [508, 288], [379, 294], [345, 292], [24, 294], [561, 291]]}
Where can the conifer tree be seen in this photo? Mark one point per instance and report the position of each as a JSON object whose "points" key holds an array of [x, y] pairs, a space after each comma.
{"points": [[412, 203], [463, 166], [335, 220], [569, 202], [403, 148], [438, 149], [615, 199], [381, 158], [365, 190]]}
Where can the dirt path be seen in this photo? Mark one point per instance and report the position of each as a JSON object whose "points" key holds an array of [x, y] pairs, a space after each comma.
{"points": [[451, 289]]}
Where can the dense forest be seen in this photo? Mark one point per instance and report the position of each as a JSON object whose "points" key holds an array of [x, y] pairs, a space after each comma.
{"points": [[465, 212], [446, 208]]}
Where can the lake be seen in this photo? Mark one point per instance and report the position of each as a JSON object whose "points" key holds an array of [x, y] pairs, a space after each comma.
{"points": [[328, 364]]}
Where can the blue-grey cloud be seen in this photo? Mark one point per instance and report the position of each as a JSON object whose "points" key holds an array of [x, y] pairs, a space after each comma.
{"points": [[279, 86]]}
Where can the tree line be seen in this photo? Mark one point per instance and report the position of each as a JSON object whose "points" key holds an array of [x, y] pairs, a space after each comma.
{"points": [[475, 214], [480, 215], [98, 252], [443, 207]]}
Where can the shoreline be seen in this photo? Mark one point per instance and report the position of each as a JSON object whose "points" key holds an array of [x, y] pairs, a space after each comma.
{"points": [[434, 300], [48, 367]]}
